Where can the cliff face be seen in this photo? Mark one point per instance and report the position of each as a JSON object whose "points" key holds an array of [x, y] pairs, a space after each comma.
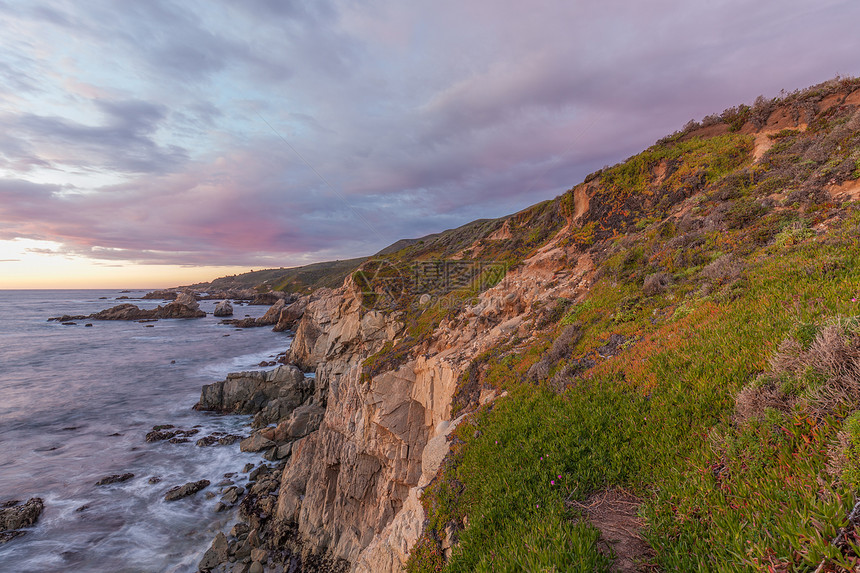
{"points": [[352, 488]]}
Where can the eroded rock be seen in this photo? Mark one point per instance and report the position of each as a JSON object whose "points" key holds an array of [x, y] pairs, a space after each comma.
{"points": [[223, 308], [14, 517], [186, 490], [116, 478], [272, 395]]}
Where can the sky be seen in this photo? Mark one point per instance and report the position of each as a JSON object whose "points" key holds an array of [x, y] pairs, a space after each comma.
{"points": [[155, 143]]}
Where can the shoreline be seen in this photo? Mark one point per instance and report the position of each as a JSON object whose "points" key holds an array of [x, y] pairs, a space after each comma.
{"points": [[102, 487]]}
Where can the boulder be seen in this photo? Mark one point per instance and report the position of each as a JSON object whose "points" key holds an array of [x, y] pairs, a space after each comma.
{"points": [[255, 443], [185, 306], [17, 516], [116, 478], [216, 554], [232, 495], [189, 300], [223, 308], [181, 491]]}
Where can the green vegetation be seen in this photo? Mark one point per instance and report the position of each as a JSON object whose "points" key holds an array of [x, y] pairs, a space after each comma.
{"points": [[713, 370]]}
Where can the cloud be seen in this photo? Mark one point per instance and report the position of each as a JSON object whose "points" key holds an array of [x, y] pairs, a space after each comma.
{"points": [[152, 131], [123, 142]]}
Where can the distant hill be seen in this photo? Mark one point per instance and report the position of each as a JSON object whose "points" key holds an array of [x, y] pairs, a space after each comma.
{"points": [[296, 279], [331, 274]]}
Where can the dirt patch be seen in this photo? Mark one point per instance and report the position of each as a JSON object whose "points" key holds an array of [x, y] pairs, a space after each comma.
{"points": [[705, 132], [581, 198], [854, 98], [781, 119], [763, 141], [830, 101], [848, 191], [615, 513], [503, 233]]}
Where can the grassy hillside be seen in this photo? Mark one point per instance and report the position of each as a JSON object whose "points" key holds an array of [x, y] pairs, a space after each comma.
{"points": [[712, 372]]}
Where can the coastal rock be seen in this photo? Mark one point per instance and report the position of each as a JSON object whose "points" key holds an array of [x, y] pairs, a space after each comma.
{"points": [[125, 311], [232, 495], [128, 311], [187, 299], [273, 314], [185, 306], [266, 298], [256, 443], [216, 554], [116, 478], [223, 308], [242, 322], [67, 318], [15, 517], [218, 439], [166, 294], [180, 491], [303, 420], [169, 432], [272, 395], [290, 315]]}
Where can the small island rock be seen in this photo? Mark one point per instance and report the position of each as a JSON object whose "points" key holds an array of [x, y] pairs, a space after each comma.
{"points": [[224, 308]]}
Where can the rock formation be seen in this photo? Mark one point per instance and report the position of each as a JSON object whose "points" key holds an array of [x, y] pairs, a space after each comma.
{"points": [[271, 396], [273, 314], [15, 516], [187, 308], [223, 308], [291, 314]]}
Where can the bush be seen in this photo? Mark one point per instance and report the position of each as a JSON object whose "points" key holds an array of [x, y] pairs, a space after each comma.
{"points": [[725, 269], [563, 345], [656, 283], [761, 110], [821, 380]]}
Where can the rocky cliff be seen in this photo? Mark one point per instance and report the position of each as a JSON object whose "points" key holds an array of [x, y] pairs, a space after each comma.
{"points": [[352, 488]]}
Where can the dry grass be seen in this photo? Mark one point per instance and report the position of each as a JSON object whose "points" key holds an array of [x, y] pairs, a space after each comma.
{"points": [[656, 283], [724, 269], [561, 348], [822, 379]]}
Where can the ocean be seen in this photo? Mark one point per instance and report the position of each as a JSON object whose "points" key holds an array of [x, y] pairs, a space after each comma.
{"points": [[76, 403]]}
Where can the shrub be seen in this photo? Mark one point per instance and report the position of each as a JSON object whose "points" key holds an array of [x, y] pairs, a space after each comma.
{"points": [[724, 269], [761, 110], [563, 345], [821, 380], [539, 370], [656, 283]]}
